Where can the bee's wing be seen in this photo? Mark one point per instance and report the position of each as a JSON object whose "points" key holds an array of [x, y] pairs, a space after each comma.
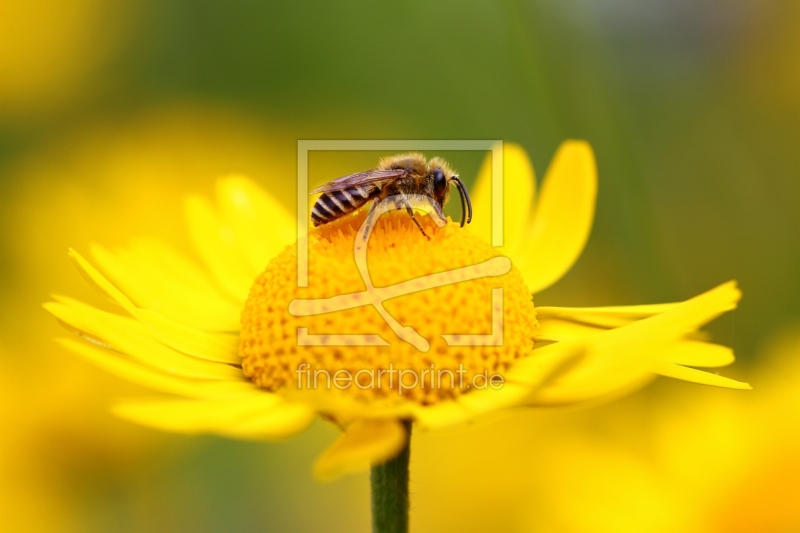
{"points": [[361, 178]]}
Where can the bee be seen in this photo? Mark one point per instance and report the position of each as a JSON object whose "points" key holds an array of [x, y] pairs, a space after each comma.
{"points": [[399, 178]]}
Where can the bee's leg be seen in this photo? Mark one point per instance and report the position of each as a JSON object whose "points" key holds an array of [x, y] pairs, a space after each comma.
{"points": [[370, 221], [401, 202], [411, 213]]}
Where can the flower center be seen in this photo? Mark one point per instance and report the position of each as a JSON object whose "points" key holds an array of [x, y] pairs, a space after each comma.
{"points": [[472, 330]]}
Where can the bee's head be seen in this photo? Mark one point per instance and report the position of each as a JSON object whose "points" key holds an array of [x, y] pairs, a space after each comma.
{"points": [[440, 177]]}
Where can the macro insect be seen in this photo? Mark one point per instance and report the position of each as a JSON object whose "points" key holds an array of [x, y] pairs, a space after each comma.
{"points": [[400, 179]]}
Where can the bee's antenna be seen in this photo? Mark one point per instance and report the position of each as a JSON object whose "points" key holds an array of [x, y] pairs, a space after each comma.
{"points": [[466, 203]]}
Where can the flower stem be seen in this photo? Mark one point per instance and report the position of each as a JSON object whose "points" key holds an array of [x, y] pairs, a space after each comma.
{"points": [[389, 483]]}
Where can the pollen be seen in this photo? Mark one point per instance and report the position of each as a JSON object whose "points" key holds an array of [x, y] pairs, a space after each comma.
{"points": [[273, 341]]}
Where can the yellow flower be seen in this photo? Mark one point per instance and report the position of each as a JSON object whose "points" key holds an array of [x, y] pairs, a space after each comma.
{"points": [[224, 340]]}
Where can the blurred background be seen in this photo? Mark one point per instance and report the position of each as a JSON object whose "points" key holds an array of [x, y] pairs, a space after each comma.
{"points": [[112, 111]]}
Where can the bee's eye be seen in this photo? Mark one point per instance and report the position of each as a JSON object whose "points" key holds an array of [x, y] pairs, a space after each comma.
{"points": [[439, 183]]}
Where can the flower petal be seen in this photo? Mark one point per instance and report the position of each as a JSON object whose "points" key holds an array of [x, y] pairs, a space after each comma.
{"points": [[546, 364], [600, 372], [262, 224], [263, 416], [132, 371], [557, 330], [128, 336], [562, 218], [216, 243], [482, 401], [521, 380], [685, 317], [365, 442], [519, 186], [604, 317], [698, 376], [194, 416], [288, 419], [157, 277], [441, 415], [620, 357], [214, 347], [696, 353], [346, 408]]}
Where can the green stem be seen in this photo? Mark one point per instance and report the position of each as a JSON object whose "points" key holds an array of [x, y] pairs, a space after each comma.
{"points": [[389, 483]]}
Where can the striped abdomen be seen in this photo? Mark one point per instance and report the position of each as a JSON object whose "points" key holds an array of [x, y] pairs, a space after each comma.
{"points": [[334, 204]]}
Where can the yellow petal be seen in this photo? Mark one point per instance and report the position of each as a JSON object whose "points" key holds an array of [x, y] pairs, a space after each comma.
{"points": [[698, 376], [157, 277], [263, 416], [365, 442], [690, 315], [218, 247], [562, 218], [262, 225], [680, 320], [611, 394], [194, 416], [519, 186], [441, 415], [546, 364], [128, 336], [557, 330], [482, 401], [599, 372], [565, 323], [347, 408], [130, 370], [592, 373], [288, 419], [618, 358], [214, 347], [696, 353], [605, 317]]}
